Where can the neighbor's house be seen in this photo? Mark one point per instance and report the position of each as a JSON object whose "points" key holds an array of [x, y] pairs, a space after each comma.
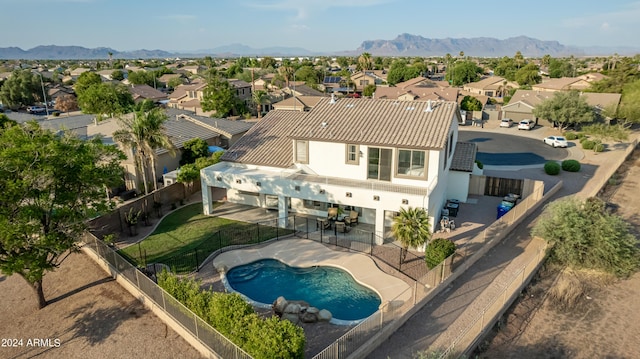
{"points": [[298, 103], [181, 127], [524, 101], [189, 97], [146, 92], [493, 86], [418, 89], [563, 84], [376, 156]]}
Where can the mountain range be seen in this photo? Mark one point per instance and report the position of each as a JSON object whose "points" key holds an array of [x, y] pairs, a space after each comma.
{"points": [[402, 45]]}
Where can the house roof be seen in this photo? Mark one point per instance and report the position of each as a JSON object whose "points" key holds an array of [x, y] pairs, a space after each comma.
{"points": [[181, 130], [238, 83], [302, 89], [298, 103], [181, 91], [267, 143], [563, 83], [489, 83], [379, 123], [146, 92], [223, 126], [464, 157]]}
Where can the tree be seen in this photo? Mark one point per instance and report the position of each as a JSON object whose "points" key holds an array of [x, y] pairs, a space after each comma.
{"points": [[464, 72], [506, 68], [48, 185], [309, 75], [585, 235], [218, 96], [629, 110], [193, 149], [411, 227], [365, 61], [519, 59], [565, 108], [117, 75], [268, 62], [106, 99], [528, 75], [86, 80], [143, 133], [369, 90], [286, 72], [470, 103], [21, 89], [6, 121], [141, 77], [66, 103], [259, 97], [560, 68]]}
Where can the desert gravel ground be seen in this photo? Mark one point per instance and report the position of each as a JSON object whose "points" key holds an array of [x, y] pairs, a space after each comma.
{"points": [[89, 316]]}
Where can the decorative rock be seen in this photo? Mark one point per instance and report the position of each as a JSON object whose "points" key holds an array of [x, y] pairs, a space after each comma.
{"points": [[279, 305], [292, 317], [324, 315], [307, 317], [313, 310], [292, 308]]}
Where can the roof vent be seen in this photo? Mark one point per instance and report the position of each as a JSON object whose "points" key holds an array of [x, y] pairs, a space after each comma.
{"points": [[349, 105], [410, 108], [323, 124], [429, 108], [333, 98]]}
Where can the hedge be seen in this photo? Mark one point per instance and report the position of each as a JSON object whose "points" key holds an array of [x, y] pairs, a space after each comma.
{"points": [[570, 136], [571, 165], [588, 144], [437, 251]]}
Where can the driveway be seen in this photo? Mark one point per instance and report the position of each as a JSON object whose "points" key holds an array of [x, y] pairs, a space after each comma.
{"points": [[512, 148]]}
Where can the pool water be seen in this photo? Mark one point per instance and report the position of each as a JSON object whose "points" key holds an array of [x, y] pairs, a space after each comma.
{"points": [[322, 287]]}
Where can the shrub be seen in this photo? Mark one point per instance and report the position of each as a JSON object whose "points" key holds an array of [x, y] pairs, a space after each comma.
{"points": [[571, 165], [570, 136], [479, 164], [581, 136], [588, 144], [598, 147], [233, 317], [552, 168], [437, 251]]}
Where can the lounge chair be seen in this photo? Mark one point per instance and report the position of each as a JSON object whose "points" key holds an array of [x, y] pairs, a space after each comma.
{"points": [[352, 218], [332, 212]]}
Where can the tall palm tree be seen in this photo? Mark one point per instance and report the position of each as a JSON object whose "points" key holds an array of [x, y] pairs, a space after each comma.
{"points": [[365, 61], [143, 133], [411, 227], [259, 97]]}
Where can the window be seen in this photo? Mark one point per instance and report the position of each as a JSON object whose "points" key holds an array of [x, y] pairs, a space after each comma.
{"points": [[448, 148], [352, 154], [302, 151], [364, 82], [412, 163], [489, 93], [379, 164]]}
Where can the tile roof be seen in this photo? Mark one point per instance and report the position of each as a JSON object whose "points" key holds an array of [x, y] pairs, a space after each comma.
{"points": [[379, 122], [533, 98], [464, 157], [146, 92], [267, 143], [181, 130], [563, 83], [298, 102], [223, 126], [488, 83]]}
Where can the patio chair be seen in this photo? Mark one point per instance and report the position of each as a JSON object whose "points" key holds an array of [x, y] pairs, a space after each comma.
{"points": [[332, 212], [323, 223], [352, 218], [342, 227]]}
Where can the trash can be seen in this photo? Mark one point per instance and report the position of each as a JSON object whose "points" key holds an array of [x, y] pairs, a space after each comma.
{"points": [[502, 210], [453, 209]]}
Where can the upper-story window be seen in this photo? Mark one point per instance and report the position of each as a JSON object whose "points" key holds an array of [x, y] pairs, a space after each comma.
{"points": [[412, 163], [302, 151], [364, 82], [379, 164], [352, 155]]}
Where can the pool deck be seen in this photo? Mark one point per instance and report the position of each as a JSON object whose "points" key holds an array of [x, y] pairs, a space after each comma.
{"points": [[306, 253]]}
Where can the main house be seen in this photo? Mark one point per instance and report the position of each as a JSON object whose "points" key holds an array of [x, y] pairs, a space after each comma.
{"points": [[372, 155]]}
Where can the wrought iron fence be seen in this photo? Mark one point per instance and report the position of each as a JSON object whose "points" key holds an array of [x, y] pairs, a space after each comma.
{"points": [[217, 343]]}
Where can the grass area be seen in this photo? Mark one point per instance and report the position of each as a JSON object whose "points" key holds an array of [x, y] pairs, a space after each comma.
{"points": [[186, 237]]}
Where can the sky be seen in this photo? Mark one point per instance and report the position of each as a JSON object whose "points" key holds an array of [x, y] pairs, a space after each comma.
{"points": [[315, 25]]}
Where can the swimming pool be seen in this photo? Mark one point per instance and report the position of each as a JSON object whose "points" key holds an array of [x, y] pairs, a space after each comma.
{"points": [[322, 287]]}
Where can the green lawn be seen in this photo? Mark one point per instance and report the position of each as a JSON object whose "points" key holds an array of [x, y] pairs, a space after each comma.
{"points": [[186, 237]]}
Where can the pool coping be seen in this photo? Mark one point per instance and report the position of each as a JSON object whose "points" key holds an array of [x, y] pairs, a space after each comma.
{"points": [[303, 253]]}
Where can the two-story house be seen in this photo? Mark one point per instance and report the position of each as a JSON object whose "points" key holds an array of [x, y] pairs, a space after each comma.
{"points": [[372, 155]]}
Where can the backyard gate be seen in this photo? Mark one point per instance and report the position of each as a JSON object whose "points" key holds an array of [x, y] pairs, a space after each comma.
{"points": [[499, 187]]}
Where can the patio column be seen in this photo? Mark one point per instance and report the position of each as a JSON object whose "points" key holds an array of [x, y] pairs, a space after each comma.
{"points": [[283, 211], [207, 205], [379, 228]]}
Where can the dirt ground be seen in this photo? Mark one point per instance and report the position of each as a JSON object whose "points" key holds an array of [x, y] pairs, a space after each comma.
{"points": [[89, 316], [605, 323]]}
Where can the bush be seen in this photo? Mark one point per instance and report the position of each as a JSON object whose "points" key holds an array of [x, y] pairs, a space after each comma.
{"points": [[233, 317], [552, 168], [437, 251], [581, 136], [598, 147], [479, 164], [588, 144], [571, 165], [570, 136]]}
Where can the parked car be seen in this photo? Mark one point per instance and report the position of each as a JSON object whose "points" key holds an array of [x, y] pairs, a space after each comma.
{"points": [[526, 125], [556, 141], [506, 122], [36, 109]]}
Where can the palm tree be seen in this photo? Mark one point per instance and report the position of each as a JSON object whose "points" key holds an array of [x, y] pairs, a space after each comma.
{"points": [[143, 133], [259, 97], [110, 59], [365, 62], [411, 227]]}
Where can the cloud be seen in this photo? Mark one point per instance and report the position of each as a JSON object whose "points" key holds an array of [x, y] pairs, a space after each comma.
{"points": [[304, 9], [628, 15]]}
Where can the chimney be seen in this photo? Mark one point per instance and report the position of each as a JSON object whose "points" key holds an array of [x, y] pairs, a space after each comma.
{"points": [[333, 98]]}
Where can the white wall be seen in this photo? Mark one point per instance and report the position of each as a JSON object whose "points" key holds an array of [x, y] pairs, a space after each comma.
{"points": [[458, 185]]}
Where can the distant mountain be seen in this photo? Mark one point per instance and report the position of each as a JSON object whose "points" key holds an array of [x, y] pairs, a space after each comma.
{"points": [[415, 45], [54, 52]]}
